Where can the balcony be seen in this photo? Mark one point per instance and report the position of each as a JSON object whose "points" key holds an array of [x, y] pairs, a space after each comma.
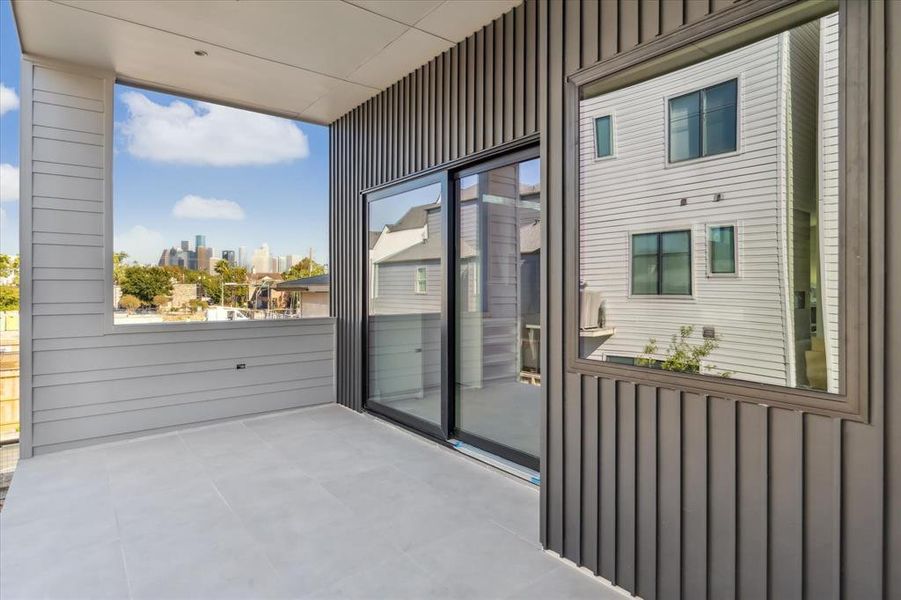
{"points": [[319, 502]]}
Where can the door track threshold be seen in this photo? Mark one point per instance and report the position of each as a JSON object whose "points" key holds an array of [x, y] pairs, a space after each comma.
{"points": [[508, 466]]}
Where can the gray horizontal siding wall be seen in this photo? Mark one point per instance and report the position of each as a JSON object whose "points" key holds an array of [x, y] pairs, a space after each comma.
{"points": [[668, 494], [82, 383]]}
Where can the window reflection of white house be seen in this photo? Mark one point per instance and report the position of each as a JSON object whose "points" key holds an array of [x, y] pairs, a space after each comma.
{"points": [[498, 254], [777, 314]]}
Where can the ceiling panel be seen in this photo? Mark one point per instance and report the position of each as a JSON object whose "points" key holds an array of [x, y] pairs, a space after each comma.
{"points": [[402, 56], [405, 11], [314, 59], [295, 33], [456, 20]]}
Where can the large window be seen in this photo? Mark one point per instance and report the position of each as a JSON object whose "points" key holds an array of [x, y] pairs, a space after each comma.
{"points": [[661, 263], [704, 122], [665, 281], [220, 214]]}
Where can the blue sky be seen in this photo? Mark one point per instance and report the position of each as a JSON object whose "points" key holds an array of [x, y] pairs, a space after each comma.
{"points": [[9, 131], [183, 168]]}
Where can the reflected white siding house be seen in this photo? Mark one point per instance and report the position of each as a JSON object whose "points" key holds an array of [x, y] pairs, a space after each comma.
{"points": [[773, 301]]}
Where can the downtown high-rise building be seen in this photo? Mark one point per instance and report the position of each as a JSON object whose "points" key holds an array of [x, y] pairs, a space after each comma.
{"points": [[282, 264], [204, 255], [242, 256], [261, 260], [229, 256], [199, 240]]}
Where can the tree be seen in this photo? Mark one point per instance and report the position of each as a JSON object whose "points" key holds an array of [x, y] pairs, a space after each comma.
{"points": [[118, 266], [159, 300], [307, 267], [9, 266], [681, 355], [145, 282], [197, 305], [9, 297], [129, 303], [214, 286]]}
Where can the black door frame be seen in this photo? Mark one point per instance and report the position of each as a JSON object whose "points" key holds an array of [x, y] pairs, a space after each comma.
{"points": [[439, 432], [447, 176]]}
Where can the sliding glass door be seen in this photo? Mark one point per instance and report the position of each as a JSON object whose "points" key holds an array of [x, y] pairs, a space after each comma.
{"points": [[404, 304], [453, 332], [497, 314]]}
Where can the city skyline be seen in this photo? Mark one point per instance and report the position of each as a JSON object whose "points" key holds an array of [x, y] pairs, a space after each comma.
{"points": [[184, 253]]}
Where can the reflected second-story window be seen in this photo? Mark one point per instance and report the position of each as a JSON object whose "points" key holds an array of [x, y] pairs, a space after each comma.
{"points": [[721, 248], [704, 122], [661, 264], [422, 283], [603, 136]]}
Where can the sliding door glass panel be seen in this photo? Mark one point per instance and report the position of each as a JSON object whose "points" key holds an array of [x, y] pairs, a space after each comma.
{"points": [[498, 335], [405, 291]]}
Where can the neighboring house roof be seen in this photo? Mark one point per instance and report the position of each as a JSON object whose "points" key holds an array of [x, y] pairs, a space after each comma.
{"points": [[430, 248], [255, 277], [305, 283], [374, 238], [526, 189], [414, 218]]}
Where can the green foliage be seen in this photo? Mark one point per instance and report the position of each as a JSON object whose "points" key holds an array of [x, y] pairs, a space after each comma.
{"points": [[9, 297], [682, 356], [196, 304], [305, 268], [9, 265], [118, 266], [9, 293], [145, 282], [225, 273], [129, 303]]}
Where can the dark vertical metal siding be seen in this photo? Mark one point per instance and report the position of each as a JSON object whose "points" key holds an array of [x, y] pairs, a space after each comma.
{"points": [[479, 94], [666, 493]]}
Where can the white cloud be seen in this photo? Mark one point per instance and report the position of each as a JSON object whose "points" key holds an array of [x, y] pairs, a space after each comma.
{"points": [[142, 245], [208, 134], [9, 183], [9, 100], [196, 207]]}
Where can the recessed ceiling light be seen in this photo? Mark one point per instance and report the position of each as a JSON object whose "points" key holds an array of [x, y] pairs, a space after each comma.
{"points": [[200, 53]]}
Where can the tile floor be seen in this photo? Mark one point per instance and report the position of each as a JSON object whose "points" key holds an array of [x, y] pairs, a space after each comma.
{"points": [[315, 503]]}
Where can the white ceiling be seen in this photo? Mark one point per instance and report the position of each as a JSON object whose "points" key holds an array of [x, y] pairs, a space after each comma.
{"points": [[309, 59]]}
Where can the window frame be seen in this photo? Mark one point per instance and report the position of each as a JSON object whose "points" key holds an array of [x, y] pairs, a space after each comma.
{"points": [[736, 262], [374, 282], [700, 90], [659, 233], [862, 73], [110, 327], [594, 120]]}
